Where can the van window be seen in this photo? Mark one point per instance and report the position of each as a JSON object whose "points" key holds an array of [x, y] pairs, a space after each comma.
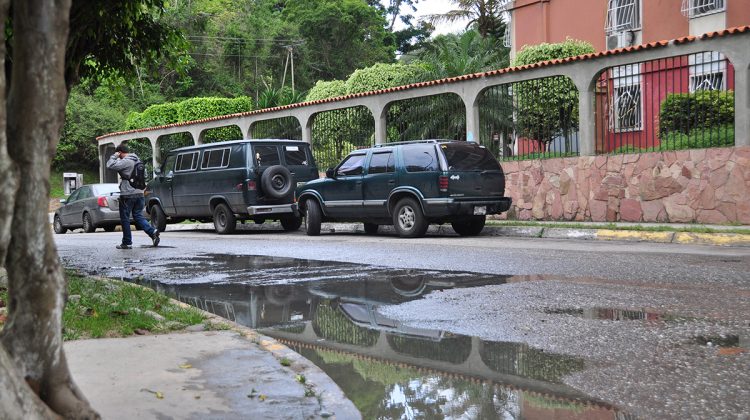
{"points": [[186, 162], [168, 166], [295, 155], [267, 155], [420, 158], [381, 163], [469, 157], [215, 158]]}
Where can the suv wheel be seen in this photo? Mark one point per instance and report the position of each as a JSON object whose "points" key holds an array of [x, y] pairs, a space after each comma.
{"points": [[371, 228], [290, 222], [408, 219], [88, 226], [58, 226], [224, 220], [110, 228], [469, 227], [313, 218], [158, 218], [276, 181]]}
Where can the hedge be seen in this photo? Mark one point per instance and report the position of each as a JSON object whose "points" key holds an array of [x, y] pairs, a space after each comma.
{"points": [[685, 112]]}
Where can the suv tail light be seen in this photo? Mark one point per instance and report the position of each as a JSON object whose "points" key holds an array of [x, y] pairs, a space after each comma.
{"points": [[251, 186], [102, 202], [443, 183]]}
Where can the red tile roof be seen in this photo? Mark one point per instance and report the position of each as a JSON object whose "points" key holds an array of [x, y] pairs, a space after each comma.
{"points": [[647, 46]]}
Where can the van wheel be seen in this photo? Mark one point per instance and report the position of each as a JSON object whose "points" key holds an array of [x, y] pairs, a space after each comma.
{"points": [[408, 219], [88, 225], [371, 228], [158, 218], [313, 218], [291, 222], [470, 227], [276, 181], [224, 220], [58, 226]]}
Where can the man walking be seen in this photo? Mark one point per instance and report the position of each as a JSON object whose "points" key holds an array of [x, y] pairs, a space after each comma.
{"points": [[131, 199]]}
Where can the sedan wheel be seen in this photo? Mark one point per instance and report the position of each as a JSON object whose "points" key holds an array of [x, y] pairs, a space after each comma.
{"points": [[88, 226], [58, 226]]}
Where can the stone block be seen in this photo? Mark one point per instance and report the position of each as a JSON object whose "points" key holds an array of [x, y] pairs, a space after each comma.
{"points": [[630, 210]]}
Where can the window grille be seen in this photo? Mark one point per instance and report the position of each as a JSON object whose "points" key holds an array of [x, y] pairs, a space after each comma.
{"points": [[507, 41], [707, 71], [695, 8], [623, 15], [626, 107]]}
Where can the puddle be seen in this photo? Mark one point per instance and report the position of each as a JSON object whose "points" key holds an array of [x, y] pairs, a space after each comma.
{"points": [[718, 341], [388, 369]]}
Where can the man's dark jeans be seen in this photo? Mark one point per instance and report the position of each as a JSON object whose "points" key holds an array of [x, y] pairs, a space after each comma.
{"points": [[133, 205]]}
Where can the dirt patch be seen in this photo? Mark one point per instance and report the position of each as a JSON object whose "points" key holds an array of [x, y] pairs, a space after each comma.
{"points": [[54, 204]]}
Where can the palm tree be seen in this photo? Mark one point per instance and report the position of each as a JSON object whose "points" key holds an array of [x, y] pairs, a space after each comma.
{"points": [[485, 14]]}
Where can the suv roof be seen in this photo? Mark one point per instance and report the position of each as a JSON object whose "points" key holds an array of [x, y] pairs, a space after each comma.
{"points": [[230, 142], [398, 143]]}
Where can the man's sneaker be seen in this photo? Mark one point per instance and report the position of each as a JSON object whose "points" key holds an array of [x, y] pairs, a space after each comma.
{"points": [[155, 238], [123, 246]]}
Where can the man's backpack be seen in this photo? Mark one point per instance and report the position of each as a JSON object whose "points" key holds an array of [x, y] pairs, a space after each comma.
{"points": [[137, 178]]}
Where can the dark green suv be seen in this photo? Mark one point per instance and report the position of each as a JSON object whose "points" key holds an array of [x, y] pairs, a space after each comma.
{"points": [[409, 185]]}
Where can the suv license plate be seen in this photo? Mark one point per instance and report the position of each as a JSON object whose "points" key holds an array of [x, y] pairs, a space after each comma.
{"points": [[480, 210]]}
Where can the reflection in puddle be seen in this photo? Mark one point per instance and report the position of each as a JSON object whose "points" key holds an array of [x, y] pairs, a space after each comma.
{"points": [[389, 370], [608, 314]]}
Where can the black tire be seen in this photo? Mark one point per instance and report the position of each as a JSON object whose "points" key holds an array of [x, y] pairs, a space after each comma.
{"points": [[291, 222], [58, 226], [88, 225], [371, 228], [276, 182], [408, 219], [110, 228], [158, 218], [470, 227], [224, 220], [313, 218]]}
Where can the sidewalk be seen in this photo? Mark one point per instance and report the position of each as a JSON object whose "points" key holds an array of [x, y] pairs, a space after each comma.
{"points": [[228, 374]]}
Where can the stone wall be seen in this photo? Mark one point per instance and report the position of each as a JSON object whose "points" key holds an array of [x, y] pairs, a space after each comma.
{"points": [[701, 185]]}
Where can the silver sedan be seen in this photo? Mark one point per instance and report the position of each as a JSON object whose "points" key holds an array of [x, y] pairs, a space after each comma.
{"points": [[89, 207]]}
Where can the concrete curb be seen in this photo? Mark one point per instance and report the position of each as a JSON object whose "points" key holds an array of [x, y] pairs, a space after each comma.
{"points": [[332, 399]]}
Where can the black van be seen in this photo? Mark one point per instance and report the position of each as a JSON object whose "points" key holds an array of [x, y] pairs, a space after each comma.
{"points": [[226, 181]]}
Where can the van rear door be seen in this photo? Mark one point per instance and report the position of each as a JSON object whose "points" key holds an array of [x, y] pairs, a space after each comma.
{"points": [[473, 173], [299, 160]]}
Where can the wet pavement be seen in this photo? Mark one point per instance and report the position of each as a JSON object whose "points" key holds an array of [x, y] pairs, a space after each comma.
{"points": [[435, 343]]}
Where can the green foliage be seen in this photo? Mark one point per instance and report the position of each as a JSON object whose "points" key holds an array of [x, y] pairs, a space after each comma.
{"points": [[383, 76], [333, 325], [685, 112], [270, 98], [325, 90], [547, 107], [699, 138], [454, 55]]}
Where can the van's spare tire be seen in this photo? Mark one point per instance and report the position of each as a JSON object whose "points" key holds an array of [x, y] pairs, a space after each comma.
{"points": [[276, 181]]}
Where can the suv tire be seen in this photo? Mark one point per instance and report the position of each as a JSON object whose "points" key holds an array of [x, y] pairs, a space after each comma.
{"points": [[110, 228], [276, 181], [58, 226], [371, 228], [408, 219], [158, 218], [469, 227], [291, 222], [313, 218], [88, 225], [224, 220]]}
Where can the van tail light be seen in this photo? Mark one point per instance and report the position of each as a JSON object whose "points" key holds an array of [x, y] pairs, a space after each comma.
{"points": [[102, 202], [251, 186], [443, 183]]}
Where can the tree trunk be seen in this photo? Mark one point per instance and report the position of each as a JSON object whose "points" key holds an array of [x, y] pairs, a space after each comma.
{"points": [[35, 111]]}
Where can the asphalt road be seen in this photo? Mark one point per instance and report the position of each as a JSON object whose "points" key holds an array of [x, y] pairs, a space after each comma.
{"points": [[664, 329]]}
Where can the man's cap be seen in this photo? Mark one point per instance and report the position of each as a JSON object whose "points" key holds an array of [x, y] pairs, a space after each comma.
{"points": [[121, 148]]}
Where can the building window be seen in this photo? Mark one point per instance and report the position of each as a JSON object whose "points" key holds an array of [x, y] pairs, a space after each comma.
{"points": [[708, 71], [626, 102], [623, 15], [696, 8], [508, 35]]}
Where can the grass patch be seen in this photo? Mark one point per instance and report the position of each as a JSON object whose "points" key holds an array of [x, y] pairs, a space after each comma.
{"points": [[101, 308], [613, 226]]}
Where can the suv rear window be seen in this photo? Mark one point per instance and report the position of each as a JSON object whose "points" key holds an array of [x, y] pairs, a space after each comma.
{"points": [[469, 157], [420, 158], [267, 155], [295, 155]]}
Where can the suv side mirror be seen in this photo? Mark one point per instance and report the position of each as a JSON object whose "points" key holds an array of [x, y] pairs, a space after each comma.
{"points": [[330, 173]]}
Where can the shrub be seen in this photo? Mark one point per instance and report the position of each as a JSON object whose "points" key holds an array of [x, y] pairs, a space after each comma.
{"points": [[685, 112], [699, 138]]}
